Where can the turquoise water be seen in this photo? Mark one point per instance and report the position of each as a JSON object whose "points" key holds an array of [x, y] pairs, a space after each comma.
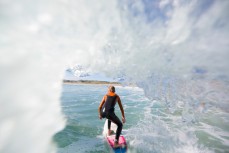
{"points": [[83, 132], [150, 126]]}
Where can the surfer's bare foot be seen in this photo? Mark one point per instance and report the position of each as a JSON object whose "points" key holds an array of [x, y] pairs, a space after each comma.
{"points": [[109, 132]]}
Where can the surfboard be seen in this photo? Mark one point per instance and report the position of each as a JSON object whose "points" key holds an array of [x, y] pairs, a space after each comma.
{"points": [[110, 139]]}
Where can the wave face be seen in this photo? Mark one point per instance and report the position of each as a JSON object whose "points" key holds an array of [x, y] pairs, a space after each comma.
{"points": [[177, 51]]}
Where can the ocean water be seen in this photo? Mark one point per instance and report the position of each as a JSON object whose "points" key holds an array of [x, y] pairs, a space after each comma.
{"points": [[83, 132], [150, 126]]}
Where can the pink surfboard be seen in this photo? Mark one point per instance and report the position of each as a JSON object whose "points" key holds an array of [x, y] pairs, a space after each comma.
{"points": [[110, 139], [122, 141]]}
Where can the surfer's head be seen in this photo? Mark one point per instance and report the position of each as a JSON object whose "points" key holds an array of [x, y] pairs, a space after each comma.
{"points": [[111, 88]]}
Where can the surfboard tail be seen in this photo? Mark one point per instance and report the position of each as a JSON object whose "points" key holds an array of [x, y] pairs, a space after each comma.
{"points": [[110, 139]]}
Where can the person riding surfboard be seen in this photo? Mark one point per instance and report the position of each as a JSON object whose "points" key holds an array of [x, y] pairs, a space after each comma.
{"points": [[106, 110]]}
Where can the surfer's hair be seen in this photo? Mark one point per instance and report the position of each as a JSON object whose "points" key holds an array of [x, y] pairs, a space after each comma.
{"points": [[112, 88]]}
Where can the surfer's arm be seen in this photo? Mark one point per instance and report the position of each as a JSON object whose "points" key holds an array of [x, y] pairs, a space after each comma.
{"points": [[121, 108], [101, 105]]}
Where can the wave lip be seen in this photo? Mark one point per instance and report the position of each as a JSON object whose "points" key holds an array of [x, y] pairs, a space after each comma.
{"points": [[174, 51]]}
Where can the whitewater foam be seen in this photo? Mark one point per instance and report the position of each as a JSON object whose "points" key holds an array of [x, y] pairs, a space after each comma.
{"points": [[162, 51]]}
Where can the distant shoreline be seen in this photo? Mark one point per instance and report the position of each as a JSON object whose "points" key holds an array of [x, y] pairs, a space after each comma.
{"points": [[90, 82]]}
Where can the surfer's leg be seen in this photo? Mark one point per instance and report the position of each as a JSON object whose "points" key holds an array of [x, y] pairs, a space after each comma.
{"points": [[109, 127], [109, 124], [116, 120]]}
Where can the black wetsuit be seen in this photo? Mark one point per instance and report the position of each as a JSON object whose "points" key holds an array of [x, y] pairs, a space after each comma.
{"points": [[108, 112]]}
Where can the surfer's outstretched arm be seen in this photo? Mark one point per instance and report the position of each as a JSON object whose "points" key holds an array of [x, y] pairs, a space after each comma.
{"points": [[122, 111], [100, 107]]}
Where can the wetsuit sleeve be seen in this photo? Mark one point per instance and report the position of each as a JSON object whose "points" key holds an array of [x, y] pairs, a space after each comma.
{"points": [[120, 106], [101, 104]]}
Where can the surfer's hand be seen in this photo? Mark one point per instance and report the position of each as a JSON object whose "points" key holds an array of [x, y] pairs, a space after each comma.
{"points": [[123, 120], [100, 117]]}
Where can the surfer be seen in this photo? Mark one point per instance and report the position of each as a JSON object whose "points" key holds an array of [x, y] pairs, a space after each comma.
{"points": [[106, 110]]}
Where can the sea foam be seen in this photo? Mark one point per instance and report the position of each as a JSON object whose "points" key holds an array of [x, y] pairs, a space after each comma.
{"points": [[164, 47]]}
